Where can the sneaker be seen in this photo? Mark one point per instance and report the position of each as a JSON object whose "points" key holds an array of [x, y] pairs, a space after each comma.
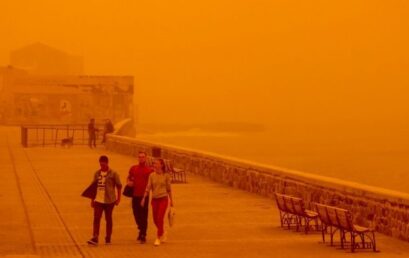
{"points": [[164, 237], [157, 242], [143, 240], [93, 241], [107, 240]]}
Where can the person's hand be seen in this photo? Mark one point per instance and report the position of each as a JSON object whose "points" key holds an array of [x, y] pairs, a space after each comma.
{"points": [[117, 201], [129, 183], [92, 203], [142, 202], [171, 204]]}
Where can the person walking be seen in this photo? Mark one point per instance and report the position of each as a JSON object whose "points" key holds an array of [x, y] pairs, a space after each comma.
{"points": [[159, 184], [106, 181], [92, 133], [108, 128], [138, 179]]}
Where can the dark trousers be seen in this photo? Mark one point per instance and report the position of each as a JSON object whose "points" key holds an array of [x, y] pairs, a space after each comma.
{"points": [[140, 213], [92, 140], [107, 208]]}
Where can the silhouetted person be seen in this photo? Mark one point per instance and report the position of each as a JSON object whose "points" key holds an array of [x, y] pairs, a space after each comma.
{"points": [[108, 128], [106, 181], [92, 133], [138, 178]]}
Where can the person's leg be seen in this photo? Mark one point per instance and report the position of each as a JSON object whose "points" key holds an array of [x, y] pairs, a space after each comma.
{"points": [[136, 208], [161, 210], [98, 208], [104, 137], [108, 208], [155, 208], [144, 217], [94, 140], [89, 140]]}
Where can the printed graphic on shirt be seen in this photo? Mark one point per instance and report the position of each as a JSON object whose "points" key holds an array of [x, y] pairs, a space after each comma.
{"points": [[101, 187]]}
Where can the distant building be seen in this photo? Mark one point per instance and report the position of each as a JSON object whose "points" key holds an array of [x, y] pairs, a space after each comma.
{"points": [[38, 99], [41, 59]]}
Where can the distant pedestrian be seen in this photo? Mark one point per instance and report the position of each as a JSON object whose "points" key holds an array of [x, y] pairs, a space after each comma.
{"points": [[106, 180], [108, 128], [92, 133], [138, 179], [159, 184]]}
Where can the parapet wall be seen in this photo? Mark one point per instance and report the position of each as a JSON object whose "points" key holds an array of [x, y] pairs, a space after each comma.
{"points": [[389, 210]]}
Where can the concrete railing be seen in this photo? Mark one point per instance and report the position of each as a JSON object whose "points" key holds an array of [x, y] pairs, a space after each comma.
{"points": [[388, 209]]}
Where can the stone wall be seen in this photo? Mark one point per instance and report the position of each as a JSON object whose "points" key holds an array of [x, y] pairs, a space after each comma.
{"points": [[389, 210]]}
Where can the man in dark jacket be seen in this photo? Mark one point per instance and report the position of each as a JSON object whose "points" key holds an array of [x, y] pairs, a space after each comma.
{"points": [[92, 133]]}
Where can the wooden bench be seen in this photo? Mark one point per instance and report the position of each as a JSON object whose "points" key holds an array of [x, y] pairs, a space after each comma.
{"points": [[149, 161], [336, 218], [178, 175], [292, 212]]}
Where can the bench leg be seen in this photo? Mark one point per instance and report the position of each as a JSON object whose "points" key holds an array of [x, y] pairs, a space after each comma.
{"points": [[323, 229], [352, 242], [374, 242]]}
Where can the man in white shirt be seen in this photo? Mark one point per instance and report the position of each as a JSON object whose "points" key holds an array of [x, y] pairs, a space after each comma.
{"points": [[106, 198]]}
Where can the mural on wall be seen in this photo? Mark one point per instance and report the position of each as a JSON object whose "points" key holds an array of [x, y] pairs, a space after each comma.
{"points": [[73, 99]]}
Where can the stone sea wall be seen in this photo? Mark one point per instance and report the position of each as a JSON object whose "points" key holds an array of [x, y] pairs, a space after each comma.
{"points": [[389, 210]]}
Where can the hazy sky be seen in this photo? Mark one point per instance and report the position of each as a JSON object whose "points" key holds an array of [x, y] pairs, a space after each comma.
{"points": [[247, 60]]}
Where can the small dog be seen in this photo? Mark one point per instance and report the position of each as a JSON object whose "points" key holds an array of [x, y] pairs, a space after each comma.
{"points": [[67, 142]]}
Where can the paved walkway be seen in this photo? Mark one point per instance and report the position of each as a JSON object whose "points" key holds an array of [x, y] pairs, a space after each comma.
{"points": [[43, 215]]}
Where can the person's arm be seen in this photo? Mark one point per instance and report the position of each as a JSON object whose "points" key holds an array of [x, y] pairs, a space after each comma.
{"points": [[119, 188], [148, 188], [93, 182], [129, 180], [169, 190], [119, 191]]}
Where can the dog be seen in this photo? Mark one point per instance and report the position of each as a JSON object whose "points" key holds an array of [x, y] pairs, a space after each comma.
{"points": [[67, 142]]}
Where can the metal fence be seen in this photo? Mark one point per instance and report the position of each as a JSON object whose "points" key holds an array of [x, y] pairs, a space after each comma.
{"points": [[57, 135]]}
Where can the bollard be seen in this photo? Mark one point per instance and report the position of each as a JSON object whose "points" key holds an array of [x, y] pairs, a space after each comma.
{"points": [[24, 136]]}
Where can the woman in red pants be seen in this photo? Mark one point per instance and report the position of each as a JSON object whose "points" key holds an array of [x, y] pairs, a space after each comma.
{"points": [[159, 184]]}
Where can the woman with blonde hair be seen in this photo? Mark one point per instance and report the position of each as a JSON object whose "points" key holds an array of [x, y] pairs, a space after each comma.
{"points": [[159, 184]]}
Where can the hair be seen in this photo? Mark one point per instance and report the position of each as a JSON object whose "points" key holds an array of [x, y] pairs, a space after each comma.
{"points": [[142, 152], [103, 158], [162, 164]]}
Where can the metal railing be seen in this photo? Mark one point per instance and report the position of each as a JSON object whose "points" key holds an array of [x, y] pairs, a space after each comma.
{"points": [[56, 135]]}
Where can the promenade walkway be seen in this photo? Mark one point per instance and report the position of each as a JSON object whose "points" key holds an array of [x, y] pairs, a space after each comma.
{"points": [[43, 215]]}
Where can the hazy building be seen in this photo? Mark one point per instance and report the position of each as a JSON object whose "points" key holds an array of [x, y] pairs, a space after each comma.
{"points": [[41, 59], [34, 99]]}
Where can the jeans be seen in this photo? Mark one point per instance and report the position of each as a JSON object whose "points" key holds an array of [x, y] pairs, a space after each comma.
{"points": [[98, 209], [140, 214]]}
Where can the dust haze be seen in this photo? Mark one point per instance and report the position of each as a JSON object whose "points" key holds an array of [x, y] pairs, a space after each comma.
{"points": [[302, 78]]}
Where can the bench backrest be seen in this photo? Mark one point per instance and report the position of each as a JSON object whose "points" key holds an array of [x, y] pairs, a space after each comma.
{"points": [[322, 213], [280, 202], [149, 161], [334, 216], [344, 219], [290, 204]]}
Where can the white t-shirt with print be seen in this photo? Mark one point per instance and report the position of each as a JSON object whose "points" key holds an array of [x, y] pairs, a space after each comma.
{"points": [[101, 187]]}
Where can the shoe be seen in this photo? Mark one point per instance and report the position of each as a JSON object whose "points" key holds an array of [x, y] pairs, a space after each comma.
{"points": [[157, 242], [107, 240], [93, 241], [164, 237], [143, 240], [139, 237]]}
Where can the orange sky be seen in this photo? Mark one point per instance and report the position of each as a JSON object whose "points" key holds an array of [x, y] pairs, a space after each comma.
{"points": [[248, 60]]}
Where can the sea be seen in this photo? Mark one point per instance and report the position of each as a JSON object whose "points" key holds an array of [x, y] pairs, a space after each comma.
{"points": [[375, 155]]}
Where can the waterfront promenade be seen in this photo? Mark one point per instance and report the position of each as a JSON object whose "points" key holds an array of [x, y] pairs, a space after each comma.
{"points": [[43, 215]]}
